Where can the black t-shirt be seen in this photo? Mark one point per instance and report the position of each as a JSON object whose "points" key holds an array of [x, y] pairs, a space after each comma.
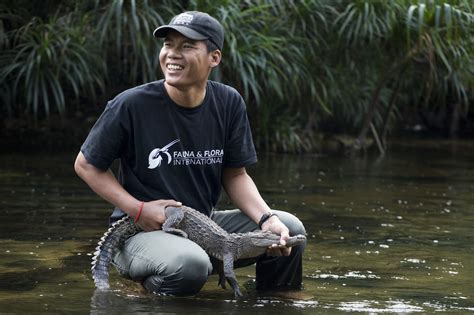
{"points": [[167, 151]]}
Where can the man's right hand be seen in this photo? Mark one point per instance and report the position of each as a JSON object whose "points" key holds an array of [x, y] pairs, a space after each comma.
{"points": [[153, 215]]}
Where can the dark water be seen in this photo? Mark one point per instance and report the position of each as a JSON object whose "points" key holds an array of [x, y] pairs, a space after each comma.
{"points": [[386, 235]]}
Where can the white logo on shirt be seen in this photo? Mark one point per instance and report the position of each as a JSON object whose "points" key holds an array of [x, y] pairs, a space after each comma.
{"points": [[154, 158]]}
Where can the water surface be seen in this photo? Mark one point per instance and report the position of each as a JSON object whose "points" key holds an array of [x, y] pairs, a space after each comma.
{"points": [[386, 235]]}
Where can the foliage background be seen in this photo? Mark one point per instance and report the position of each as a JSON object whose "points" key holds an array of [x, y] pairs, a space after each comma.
{"points": [[309, 70]]}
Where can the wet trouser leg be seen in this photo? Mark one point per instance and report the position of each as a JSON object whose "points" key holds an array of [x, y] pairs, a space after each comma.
{"points": [[169, 264], [164, 263], [271, 272]]}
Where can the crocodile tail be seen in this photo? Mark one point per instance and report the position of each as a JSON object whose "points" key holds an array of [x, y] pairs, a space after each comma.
{"points": [[108, 245]]}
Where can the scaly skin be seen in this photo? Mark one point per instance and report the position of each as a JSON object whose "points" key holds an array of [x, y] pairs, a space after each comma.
{"points": [[197, 227]]}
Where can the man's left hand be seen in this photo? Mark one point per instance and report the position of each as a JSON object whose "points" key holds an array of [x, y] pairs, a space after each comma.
{"points": [[274, 225]]}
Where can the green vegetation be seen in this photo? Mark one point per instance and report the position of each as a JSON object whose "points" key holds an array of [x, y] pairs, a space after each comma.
{"points": [[306, 68]]}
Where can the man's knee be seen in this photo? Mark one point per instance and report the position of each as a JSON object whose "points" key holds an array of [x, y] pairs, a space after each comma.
{"points": [[164, 263], [292, 222], [185, 277]]}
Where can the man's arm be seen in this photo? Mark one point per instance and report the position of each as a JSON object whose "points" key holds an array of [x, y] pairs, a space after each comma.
{"points": [[245, 195], [106, 186]]}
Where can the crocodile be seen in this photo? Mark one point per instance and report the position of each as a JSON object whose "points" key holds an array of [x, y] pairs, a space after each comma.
{"points": [[197, 227]]}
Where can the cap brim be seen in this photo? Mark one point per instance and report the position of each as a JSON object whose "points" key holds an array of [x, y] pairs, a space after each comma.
{"points": [[161, 32]]}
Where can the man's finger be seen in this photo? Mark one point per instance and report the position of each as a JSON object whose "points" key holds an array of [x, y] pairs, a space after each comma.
{"points": [[283, 237], [274, 251], [173, 203], [286, 251]]}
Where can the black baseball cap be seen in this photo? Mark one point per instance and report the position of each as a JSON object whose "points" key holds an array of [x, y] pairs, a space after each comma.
{"points": [[195, 25]]}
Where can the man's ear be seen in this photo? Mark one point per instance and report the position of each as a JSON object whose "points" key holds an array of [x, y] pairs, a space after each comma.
{"points": [[216, 57]]}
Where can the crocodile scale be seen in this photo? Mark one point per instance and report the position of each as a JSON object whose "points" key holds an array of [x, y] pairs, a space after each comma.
{"points": [[192, 224]]}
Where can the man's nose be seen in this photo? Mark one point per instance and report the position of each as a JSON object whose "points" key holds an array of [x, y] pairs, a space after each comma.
{"points": [[174, 53]]}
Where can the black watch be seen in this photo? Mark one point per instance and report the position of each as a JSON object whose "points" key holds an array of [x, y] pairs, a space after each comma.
{"points": [[265, 217]]}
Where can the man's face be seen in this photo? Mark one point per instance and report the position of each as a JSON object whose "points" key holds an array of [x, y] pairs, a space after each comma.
{"points": [[185, 63]]}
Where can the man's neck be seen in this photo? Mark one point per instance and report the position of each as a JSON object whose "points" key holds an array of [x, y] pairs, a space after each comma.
{"points": [[186, 97]]}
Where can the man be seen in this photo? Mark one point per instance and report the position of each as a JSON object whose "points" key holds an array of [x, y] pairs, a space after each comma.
{"points": [[179, 140]]}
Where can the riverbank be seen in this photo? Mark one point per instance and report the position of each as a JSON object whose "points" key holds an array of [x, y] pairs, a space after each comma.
{"points": [[68, 134], [56, 135]]}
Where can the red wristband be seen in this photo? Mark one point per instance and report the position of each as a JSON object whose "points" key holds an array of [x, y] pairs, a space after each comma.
{"points": [[139, 212]]}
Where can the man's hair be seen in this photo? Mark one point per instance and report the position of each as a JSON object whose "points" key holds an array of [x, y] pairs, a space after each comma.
{"points": [[210, 46]]}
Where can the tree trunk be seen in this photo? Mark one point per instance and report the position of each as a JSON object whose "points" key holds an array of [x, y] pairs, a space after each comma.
{"points": [[391, 105], [454, 121], [359, 143]]}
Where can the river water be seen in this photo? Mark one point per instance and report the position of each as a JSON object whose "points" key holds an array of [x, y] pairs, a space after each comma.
{"points": [[385, 235]]}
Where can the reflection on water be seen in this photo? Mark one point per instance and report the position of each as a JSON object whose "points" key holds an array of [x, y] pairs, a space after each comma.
{"points": [[385, 235]]}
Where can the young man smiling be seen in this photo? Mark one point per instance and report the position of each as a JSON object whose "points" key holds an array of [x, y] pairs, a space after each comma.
{"points": [[179, 141]]}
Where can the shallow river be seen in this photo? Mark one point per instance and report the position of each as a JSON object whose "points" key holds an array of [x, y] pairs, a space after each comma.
{"points": [[386, 235]]}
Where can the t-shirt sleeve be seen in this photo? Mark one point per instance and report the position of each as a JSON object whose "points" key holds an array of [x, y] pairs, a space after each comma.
{"points": [[106, 139], [239, 149]]}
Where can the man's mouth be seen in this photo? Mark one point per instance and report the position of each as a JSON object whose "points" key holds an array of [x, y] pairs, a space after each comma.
{"points": [[173, 66]]}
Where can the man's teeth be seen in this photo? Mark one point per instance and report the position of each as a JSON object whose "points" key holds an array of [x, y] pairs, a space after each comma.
{"points": [[174, 67]]}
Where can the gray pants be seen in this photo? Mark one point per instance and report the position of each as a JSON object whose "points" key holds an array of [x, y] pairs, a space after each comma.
{"points": [[169, 264]]}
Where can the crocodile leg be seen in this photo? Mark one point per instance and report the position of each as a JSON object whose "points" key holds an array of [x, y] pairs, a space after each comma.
{"points": [[173, 217], [220, 270], [228, 263]]}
